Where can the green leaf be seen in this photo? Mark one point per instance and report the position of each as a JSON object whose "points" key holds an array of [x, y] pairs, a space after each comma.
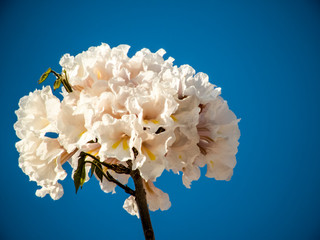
{"points": [[44, 76], [57, 84]]}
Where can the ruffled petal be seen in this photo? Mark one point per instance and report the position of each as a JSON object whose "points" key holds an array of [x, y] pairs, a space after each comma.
{"points": [[141, 109], [41, 159], [130, 205], [156, 198], [37, 113]]}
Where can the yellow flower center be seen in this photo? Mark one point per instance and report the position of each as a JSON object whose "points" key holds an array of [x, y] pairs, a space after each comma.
{"points": [[152, 120], [80, 135], [149, 153], [98, 74], [174, 118], [124, 141], [212, 163]]}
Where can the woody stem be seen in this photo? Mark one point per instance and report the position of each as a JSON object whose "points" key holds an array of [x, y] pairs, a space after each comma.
{"points": [[141, 200]]}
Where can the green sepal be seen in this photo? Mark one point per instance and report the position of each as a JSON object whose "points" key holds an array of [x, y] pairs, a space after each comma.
{"points": [[79, 176], [44, 76], [93, 167], [135, 152], [83, 176], [57, 84], [98, 172]]}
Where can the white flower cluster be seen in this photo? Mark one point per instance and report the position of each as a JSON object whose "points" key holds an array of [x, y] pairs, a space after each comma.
{"points": [[143, 109]]}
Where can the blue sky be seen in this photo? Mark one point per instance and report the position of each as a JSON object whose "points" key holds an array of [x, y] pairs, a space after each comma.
{"points": [[265, 55]]}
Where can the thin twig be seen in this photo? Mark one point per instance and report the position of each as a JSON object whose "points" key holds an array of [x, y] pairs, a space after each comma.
{"points": [[65, 82], [109, 177], [118, 168], [56, 74]]}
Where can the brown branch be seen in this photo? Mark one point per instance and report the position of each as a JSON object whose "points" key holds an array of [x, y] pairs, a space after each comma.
{"points": [[141, 201], [109, 177], [139, 192], [118, 168], [124, 187]]}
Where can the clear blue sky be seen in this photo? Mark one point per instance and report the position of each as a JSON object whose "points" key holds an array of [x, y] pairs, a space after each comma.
{"points": [[266, 57]]}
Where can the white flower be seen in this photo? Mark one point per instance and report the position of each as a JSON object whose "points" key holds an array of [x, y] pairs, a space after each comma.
{"points": [[191, 172], [153, 106], [180, 152], [199, 86], [141, 112], [156, 198], [37, 113], [151, 159], [130, 205], [219, 133], [94, 105], [71, 128], [98, 63], [116, 137], [144, 61], [41, 159]]}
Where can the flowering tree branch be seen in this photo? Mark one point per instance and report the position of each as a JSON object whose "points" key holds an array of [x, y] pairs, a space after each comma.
{"points": [[109, 177], [96, 167], [139, 192], [118, 168], [61, 78], [143, 108]]}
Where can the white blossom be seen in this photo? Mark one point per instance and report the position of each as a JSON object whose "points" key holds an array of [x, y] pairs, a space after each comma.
{"points": [[71, 128], [151, 160], [37, 113], [130, 205], [116, 137], [156, 198], [41, 159], [219, 134], [141, 112]]}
